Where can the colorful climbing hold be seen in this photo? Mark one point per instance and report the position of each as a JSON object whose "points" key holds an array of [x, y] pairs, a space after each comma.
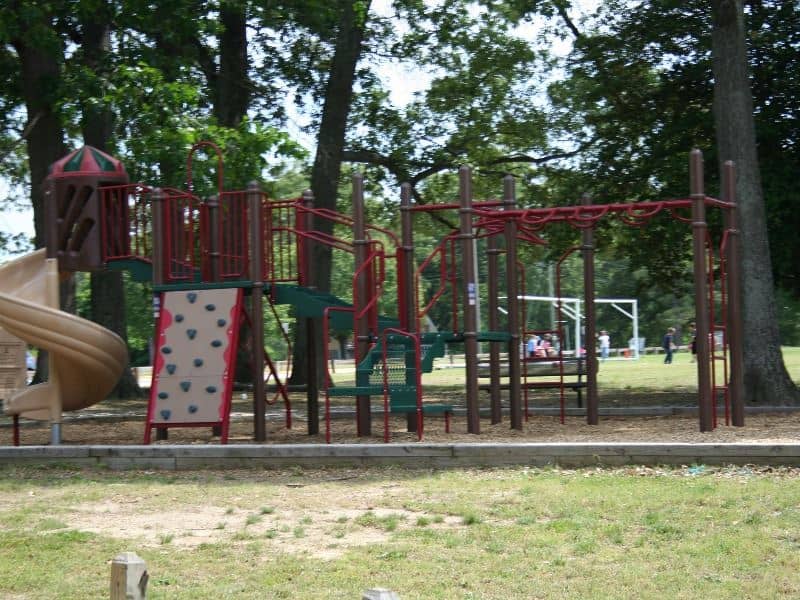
{"points": [[191, 297], [221, 322], [192, 408], [216, 343], [198, 362], [166, 350], [178, 318], [211, 389], [171, 369], [191, 333], [185, 385], [163, 395], [210, 307], [166, 414]]}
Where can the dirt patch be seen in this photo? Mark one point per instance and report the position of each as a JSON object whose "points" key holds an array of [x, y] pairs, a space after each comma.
{"points": [[297, 520]]}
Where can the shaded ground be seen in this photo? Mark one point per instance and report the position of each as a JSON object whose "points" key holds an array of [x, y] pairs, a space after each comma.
{"points": [[122, 422]]}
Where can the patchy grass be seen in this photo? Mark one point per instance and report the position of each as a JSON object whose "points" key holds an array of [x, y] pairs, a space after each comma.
{"points": [[491, 533]]}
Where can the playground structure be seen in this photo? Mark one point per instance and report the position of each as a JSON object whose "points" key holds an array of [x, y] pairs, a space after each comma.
{"points": [[214, 263]]}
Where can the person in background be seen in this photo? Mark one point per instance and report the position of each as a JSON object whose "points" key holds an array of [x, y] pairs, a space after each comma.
{"points": [[530, 348], [605, 344], [669, 345]]}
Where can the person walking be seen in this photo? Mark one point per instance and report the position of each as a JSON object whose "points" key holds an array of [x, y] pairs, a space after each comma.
{"points": [[605, 344], [669, 345]]}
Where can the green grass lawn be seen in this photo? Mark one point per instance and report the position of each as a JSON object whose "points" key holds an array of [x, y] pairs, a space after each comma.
{"points": [[647, 373], [496, 533]]}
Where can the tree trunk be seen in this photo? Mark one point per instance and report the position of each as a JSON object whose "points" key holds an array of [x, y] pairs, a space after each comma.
{"points": [[233, 82], [765, 377], [107, 288], [330, 147], [40, 70]]}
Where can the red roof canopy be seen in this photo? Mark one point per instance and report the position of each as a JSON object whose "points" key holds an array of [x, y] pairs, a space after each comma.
{"points": [[88, 161]]}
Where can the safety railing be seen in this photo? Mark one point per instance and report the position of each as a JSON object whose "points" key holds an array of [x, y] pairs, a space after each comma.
{"points": [[126, 222], [415, 340]]}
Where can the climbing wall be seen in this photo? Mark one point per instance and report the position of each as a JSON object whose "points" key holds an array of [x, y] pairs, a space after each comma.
{"points": [[195, 359]]}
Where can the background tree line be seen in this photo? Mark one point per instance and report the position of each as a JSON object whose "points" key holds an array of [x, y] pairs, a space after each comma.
{"points": [[614, 115]]}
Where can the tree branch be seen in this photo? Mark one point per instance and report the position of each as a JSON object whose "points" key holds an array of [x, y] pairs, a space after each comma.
{"points": [[23, 136], [562, 12]]}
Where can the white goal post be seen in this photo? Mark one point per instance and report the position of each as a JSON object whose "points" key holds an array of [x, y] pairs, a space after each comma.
{"points": [[571, 308]]}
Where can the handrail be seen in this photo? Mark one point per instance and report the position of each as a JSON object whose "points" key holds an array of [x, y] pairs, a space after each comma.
{"points": [[374, 285], [327, 380], [417, 379], [280, 387], [343, 219], [442, 277]]}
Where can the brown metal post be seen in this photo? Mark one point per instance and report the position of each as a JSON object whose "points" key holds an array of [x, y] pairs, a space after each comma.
{"points": [[160, 252], [590, 318], [312, 364], [306, 246], [361, 323], [699, 228], [470, 299], [493, 289], [734, 324], [212, 203], [408, 321], [512, 289], [159, 237], [406, 283], [256, 211]]}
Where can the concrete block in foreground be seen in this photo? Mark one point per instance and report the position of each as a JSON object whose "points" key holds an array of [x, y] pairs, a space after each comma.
{"points": [[171, 457], [128, 577]]}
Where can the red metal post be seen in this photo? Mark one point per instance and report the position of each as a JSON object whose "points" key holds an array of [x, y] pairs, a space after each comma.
{"points": [[734, 324], [587, 251], [470, 299], [512, 289], [699, 228]]}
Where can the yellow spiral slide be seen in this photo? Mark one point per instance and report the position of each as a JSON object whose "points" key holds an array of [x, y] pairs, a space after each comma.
{"points": [[86, 360]]}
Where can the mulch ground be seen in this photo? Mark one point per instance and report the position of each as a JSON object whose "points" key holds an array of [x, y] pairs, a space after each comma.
{"points": [[762, 428]]}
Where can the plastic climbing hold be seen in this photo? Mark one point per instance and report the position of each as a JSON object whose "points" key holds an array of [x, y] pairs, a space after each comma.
{"points": [[216, 343], [185, 385], [211, 389], [191, 297], [163, 395], [198, 362], [178, 318], [171, 369], [166, 350], [221, 322], [191, 333], [166, 414], [192, 408], [210, 307]]}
